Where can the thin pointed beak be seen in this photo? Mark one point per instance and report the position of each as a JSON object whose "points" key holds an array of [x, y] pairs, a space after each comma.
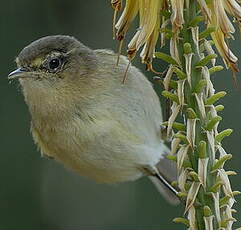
{"points": [[17, 73]]}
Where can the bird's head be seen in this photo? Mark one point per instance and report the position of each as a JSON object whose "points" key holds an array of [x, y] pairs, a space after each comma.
{"points": [[54, 72], [54, 59]]}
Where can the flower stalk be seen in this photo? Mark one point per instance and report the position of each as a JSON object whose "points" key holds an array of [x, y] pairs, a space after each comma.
{"points": [[196, 142]]}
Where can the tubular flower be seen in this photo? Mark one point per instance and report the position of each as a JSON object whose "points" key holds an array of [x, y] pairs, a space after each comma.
{"points": [[116, 5], [177, 13], [221, 19], [147, 34], [128, 15], [224, 29], [229, 58], [167, 18], [233, 8]]}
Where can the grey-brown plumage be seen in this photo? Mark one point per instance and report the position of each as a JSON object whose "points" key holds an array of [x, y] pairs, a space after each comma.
{"points": [[44, 46], [82, 114]]}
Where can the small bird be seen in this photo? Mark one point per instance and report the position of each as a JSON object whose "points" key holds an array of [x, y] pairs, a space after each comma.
{"points": [[83, 116]]}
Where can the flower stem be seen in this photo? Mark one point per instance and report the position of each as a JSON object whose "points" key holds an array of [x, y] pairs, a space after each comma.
{"points": [[196, 143], [187, 36]]}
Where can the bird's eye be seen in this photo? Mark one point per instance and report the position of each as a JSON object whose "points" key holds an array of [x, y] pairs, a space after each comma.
{"points": [[54, 64]]}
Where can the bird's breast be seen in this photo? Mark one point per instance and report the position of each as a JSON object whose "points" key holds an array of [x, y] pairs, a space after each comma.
{"points": [[95, 150]]}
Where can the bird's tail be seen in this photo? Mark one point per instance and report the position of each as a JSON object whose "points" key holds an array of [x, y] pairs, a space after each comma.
{"points": [[167, 171]]}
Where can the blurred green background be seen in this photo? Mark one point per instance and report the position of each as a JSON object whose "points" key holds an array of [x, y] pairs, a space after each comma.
{"points": [[37, 193]]}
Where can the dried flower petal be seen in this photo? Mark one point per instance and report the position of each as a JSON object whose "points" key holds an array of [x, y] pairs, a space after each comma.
{"points": [[128, 15], [192, 218], [216, 206], [181, 155], [177, 13], [167, 78], [209, 50], [174, 50], [206, 76], [221, 150], [180, 92], [182, 178], [226, 183], [188, 66], [174, 145], [191, 196], [208, 220], [175, 110], [228, 217], [211, 141], [191, 127], [202, 170], [201, 104], [195, 37]]}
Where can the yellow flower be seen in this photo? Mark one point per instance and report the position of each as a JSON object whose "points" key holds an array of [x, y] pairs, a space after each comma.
{"points": [[147, 33], [233, 8], [222, 19], [229, 58], [128, 15], [205, 10], [116, 5], [216, 16], [224, 28], [148, 51], [152, 22], [177, 13]]}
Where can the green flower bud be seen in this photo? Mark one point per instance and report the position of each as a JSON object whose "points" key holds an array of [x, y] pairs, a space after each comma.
{"points": [[196, 20], [204, 61], [202, 149], [167, 58], [219, 108], [211, 100], [221, 161], [211, 124], [207, 32], [181, 220], [181, 75], [224, 133], [191, 114], [187, 48], [215, 69], [207, 211], [200, 85], [170, 96]]}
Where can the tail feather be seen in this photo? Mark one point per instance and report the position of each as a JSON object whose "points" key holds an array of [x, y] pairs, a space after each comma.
{"points": [[168, 170]]}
